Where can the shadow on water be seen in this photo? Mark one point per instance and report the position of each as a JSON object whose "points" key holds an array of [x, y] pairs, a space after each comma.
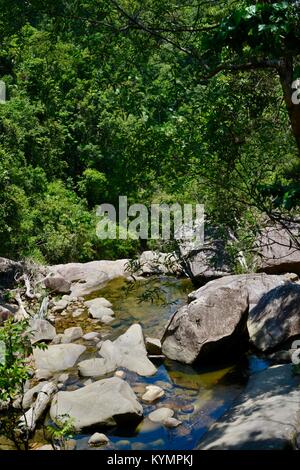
{"points": [[198, 395]]}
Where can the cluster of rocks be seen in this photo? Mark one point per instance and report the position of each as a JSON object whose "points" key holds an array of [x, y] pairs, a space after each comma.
{"points": [[275, 250], [222, 315], [100, 401], [222, 318]]}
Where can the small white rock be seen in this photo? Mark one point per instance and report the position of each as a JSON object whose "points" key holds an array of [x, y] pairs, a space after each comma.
{"points": [[153, 393], [106, 319], [120, 373], [71, 334], [171, 422], [60, 306], [91, 336], [161, 415], [98, 439], [77, 312]]}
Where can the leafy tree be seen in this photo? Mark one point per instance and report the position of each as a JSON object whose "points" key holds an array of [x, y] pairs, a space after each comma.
{"points": [[14, 372]]}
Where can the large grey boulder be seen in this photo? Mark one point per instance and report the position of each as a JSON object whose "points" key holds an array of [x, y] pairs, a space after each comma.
{"points": [[58, 357], [276, 317], [214, 322], [264, 417], [152, 262], [277, 250], [57, 284], [41, 330], [86, 278], [204, 260], [105, 402], [128, 351]]}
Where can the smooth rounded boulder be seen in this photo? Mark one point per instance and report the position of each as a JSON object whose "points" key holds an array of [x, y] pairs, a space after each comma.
{"points": [[58, 357], [105, 402], [276, 317], [213, 324], [128, 351]]}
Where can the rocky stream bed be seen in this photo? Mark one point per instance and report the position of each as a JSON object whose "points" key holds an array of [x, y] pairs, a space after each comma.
{"points": [[222, 377]]}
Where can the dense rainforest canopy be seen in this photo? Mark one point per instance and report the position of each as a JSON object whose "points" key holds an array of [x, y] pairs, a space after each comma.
{"points": [[159, 100]]}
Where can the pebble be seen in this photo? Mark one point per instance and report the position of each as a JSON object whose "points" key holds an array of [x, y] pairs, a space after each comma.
{"points": [[98, 439], [160, 415], [93, 335], [120, 373], [153, 393], [138, 446], [76, 313], [172, 422], [187, 409], [123, 443]]}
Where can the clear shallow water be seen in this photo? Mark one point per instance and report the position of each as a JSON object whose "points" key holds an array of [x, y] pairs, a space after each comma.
{"points": [[199, 396]]}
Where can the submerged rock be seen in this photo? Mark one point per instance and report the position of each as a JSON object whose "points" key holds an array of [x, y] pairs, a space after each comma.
{"points": [[172, 422], [105, 402], [58, 357], [265, 416]]}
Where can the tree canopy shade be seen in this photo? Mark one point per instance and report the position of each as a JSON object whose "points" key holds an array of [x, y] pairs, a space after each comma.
{"points": [[161, 101], [251, 36]]}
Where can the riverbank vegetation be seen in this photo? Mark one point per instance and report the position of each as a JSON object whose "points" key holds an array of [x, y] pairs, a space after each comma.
{"points": [[160, 101]]}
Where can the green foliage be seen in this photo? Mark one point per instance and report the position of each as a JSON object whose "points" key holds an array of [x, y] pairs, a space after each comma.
{"points": [[98, 107], [14, 372], [61, 431], [93, 186]]}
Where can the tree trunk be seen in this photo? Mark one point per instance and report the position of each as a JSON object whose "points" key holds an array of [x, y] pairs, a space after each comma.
{"points": [[286, 79]]}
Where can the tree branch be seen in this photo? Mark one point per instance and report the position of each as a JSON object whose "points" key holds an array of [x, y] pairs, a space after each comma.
{"points": [[255, 65]]}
